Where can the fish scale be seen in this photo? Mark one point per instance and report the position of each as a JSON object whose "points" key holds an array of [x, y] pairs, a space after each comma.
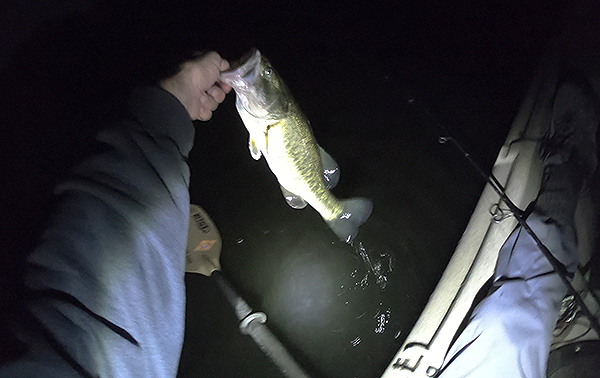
{"points": [[280, 132]]}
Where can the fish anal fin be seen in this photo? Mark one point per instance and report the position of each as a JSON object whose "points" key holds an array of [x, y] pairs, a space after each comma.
{"points": [[331, 170]]}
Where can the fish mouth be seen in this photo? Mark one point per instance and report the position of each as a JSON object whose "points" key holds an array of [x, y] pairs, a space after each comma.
{"points": [[243, 71], [251, 58], [243, 78]]}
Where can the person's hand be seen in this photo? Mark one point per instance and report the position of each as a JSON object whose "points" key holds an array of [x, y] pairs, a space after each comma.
{"points": [[197, 86]]}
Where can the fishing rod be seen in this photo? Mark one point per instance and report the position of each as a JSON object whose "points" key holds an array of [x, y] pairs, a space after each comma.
{"points": [[517, 213]]}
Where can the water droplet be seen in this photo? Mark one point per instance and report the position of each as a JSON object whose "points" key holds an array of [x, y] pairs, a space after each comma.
{"points": [[382, 320], [379, 267]]}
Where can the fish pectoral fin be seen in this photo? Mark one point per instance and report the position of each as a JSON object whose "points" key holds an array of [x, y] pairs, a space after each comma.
{"points": [[331, 170], [295, 202], [254, 150]]}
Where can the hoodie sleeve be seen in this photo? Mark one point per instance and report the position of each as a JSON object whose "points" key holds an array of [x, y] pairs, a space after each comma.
{"points": [[107, 281]]}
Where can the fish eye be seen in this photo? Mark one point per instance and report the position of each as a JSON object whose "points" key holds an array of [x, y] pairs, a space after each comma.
{"points": [[268, 71]]}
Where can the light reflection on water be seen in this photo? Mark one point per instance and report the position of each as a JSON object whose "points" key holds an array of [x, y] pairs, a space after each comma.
{"points": [[382, 320], [329, 301], [380, 266]]}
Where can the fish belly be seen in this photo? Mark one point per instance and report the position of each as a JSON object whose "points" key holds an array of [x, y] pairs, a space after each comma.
{"points": [[293, 156]]}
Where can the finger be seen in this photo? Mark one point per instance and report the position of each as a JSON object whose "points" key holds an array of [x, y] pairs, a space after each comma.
{"points": [[225, 87], [217, 93], [224, 65], [211, 65], [208, 56], [204, 114], [214, 60], [208, 102], [207, 68]]}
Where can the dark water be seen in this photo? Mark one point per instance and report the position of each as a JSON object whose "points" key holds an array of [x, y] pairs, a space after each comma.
{"points": [[351, 72], [351, 68]]}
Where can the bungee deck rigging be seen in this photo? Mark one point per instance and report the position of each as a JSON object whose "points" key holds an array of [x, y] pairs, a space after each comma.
{"points": [[511, 186], [520, 216]]}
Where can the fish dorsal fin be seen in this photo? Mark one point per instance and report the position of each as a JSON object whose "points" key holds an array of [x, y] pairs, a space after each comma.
{"points": [[331, 171], [254, 150], [295, 201]]}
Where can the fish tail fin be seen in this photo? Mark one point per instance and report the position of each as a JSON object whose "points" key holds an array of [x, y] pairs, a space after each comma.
{"points": [[355, 212]]}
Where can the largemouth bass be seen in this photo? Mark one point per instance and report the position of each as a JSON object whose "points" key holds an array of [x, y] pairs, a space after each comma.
{"points": [[281, 133]]}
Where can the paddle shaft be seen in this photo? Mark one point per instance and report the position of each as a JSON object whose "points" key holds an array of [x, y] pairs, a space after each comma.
{"points": [[252, 323]]}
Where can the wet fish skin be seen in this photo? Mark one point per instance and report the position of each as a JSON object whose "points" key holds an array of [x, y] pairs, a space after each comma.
{"points": [[281, 133]]}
